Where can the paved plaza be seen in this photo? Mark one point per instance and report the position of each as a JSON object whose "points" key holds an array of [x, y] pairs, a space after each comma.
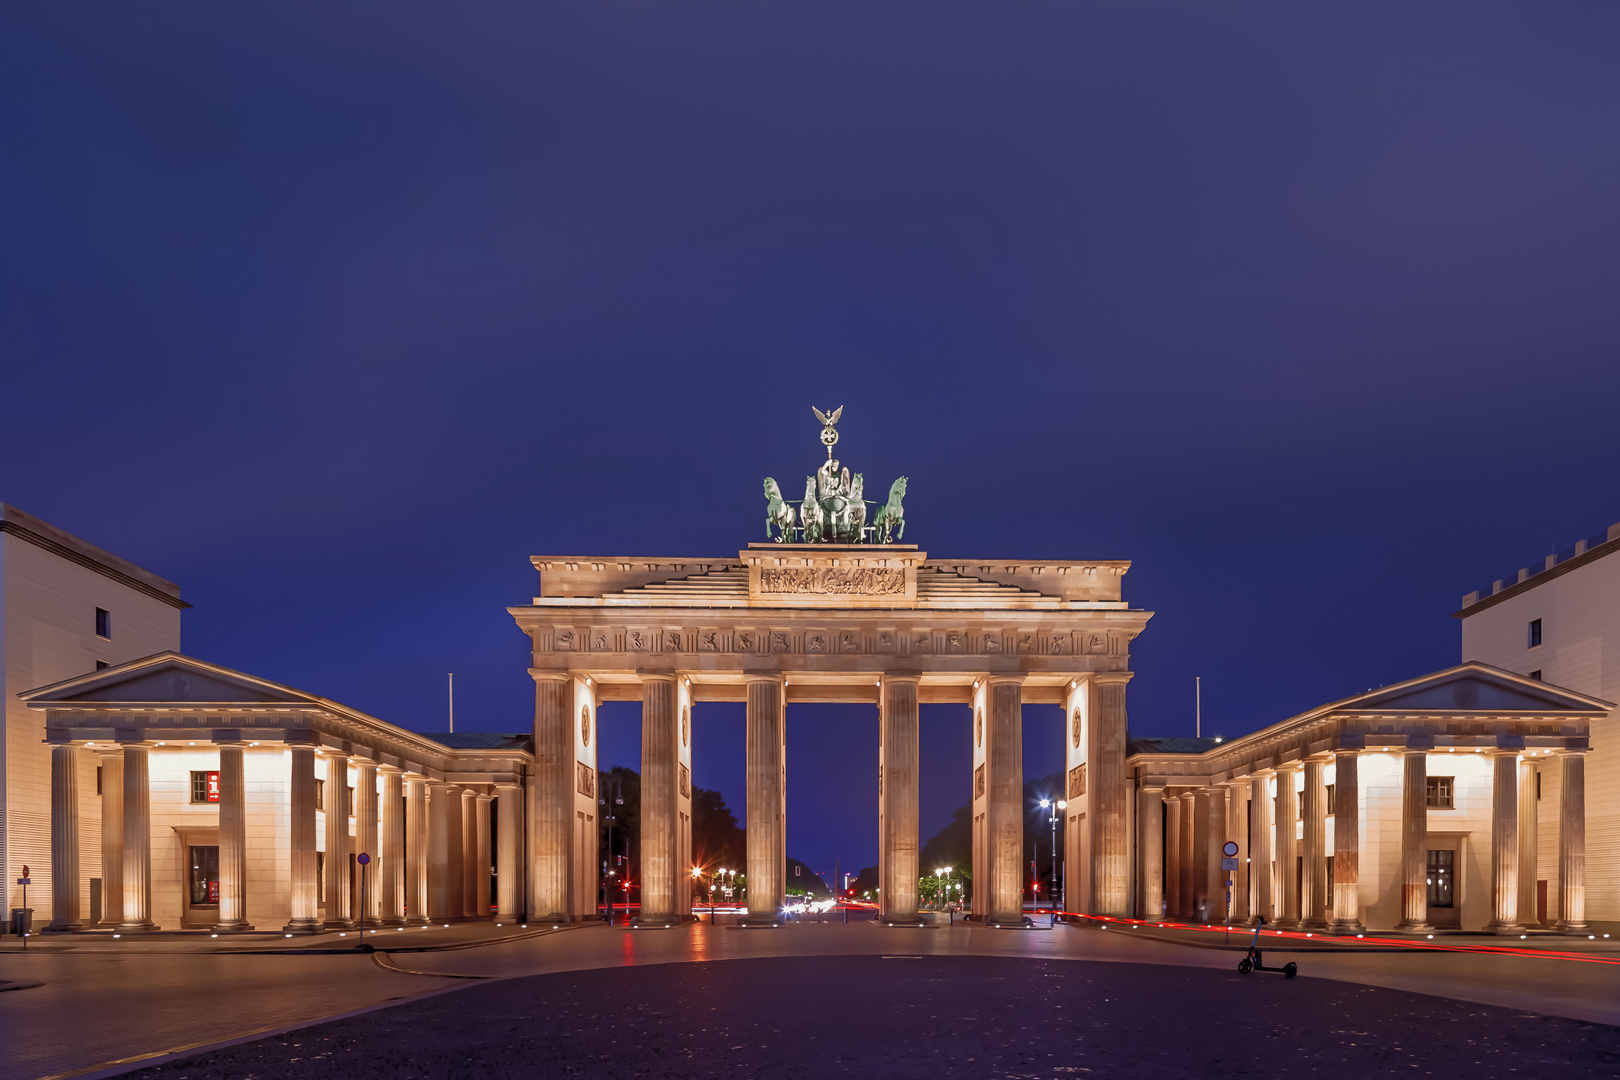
{"points": [[802, 1000]]}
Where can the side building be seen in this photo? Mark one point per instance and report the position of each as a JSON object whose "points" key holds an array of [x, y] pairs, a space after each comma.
{"points": [[66, 608], [1559, 622]]}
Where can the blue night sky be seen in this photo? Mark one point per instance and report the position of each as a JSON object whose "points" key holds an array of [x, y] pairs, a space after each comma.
{"points": [[336, 313]]}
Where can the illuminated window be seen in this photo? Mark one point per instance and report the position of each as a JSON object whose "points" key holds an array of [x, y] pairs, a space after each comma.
{"points": [[1442, 879], [205, 787], [1440, 794], [1535, 632]]}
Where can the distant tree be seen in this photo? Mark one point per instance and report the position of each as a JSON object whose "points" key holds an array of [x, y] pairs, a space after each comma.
{"points": [[717, 839], [953, 845], [865, 882], [625, 822]]}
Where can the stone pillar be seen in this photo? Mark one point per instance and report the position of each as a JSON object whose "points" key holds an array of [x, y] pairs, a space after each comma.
{"points": [[1214, 835], [65, 899], [1237, 821], [112, 837], [767, 798], [416, 851], [339, 915], [1346, 842], [1505, 842], [444, 881], [469, 856], [232, 841], [481, 846], [1528, 844], [1284, 846], [391, 861], [898, 809], [1004, 772], [1415, 839], [1173, 868], [1150, 849], [1572, 842], [366, 837], [305, 914], [551, 803], [1191, 882], [660, 767], [137, 842], [1313, 881], [1107, 819], [508, 867], [1262, 901]]}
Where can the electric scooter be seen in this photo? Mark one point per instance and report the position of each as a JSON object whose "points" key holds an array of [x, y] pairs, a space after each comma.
{"points": [[1253, 962]]}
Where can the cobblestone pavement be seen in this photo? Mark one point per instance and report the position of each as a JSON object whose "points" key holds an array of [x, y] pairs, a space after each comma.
{"points": [[933, 1017], [101, 1002]]}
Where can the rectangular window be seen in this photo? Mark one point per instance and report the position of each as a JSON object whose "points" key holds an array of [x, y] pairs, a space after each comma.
{"points": [[101, 664], [1330, 806], [1535, 632], [103, 623], [320, 793], [1439, 791], [205, 787], [1441, 878], [1536, 674], [204, 876]]}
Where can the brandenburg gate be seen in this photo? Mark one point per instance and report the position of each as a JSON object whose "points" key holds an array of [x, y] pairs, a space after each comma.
{"points": [[832, 608]]}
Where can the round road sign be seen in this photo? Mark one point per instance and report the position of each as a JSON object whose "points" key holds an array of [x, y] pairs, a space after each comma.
{"points": [[1230, 849], [362, 858]]}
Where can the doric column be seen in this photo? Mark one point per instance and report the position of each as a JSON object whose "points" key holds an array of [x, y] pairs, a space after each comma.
{"points": [[1211, 839], [469, 856], [1191, 881], [660, 767], [1110, 848], [481, 847], [339, 915], [1415, 838], [416, 851], [898, 810], [1284, 846], [1504, 841], [1346, 842], [508, 870], [1173, 868], [112, 837], [445, 884], [367, 831], [1004, 769], [65, 900], [1262, 903], [1237, 819], [301, 842], [1313, 901], [551, 799], [137, 842], [1572, 842], [1528, 844], [1150, 849], [232, 840], [767, 804], [391, 860]]}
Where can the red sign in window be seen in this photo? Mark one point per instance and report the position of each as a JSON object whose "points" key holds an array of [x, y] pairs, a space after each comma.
{"points": [[213, 788], [213, 891]]}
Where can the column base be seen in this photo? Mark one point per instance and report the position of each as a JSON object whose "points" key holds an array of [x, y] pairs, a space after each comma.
{"points": [[54, 927], [504, 917], [1347, 926], [392, 920], [303, 926], [1564, 927], [1312, 925], [758, 921], [1407, 926], [1504, 928], [656, 922], [144, 926], [232, 926], [339, 924], [903, 920]]}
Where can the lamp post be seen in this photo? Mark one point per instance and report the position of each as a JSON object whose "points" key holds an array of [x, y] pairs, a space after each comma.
{"points": [[1055, 806]]}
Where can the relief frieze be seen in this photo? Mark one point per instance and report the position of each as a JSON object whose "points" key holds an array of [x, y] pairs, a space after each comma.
{"points": [[833, 580]]}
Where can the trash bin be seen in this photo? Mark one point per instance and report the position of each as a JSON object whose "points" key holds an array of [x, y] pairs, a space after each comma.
{"points": [[22, 920]]}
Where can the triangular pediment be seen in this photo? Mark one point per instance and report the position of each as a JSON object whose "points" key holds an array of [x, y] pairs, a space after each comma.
{"points": [[166, 679], [1475, 687]]}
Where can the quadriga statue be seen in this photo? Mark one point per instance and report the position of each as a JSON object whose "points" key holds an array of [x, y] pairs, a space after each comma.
{"points": [[811, 516], [891, 516], [778, 512]]}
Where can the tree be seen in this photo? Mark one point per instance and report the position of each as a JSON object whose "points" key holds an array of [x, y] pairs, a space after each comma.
{"points": [[717, 839]]}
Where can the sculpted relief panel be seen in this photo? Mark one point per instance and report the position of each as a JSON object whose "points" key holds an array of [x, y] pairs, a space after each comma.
{"points": [[824, 641], [833, 580]]}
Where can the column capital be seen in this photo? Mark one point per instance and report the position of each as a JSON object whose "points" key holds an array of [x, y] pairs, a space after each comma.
{"points": [[549, 675], [508, 785], [647, 676], [1001, 679], [1347, 751], [900, 677], [1103, 678], [765, 676], [1290, 767], [385, 768], [1572, 751], [482, 797]]}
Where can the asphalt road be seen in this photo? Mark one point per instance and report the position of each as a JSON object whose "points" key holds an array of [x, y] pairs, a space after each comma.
{"points": [[933, 1017]]}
